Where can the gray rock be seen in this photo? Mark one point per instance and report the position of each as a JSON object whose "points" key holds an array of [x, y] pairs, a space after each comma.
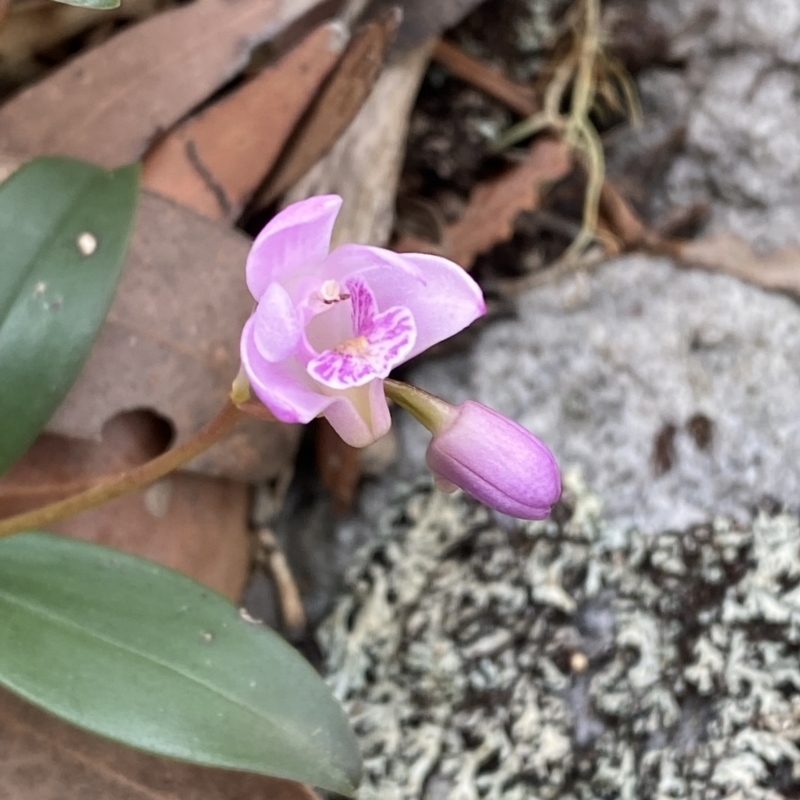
{"points": [[677, 392], [737, 99]]}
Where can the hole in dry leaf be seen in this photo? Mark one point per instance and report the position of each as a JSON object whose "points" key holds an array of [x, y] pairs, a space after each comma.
{"points": [[141, 433]]}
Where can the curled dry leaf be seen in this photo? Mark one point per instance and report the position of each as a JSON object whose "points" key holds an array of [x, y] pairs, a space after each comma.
{"points": [[778, 270], [364, 165], [170, 343], [43, 758], [108, 104], [335, 107], [192, 523], [494, 205], [214, 161]]}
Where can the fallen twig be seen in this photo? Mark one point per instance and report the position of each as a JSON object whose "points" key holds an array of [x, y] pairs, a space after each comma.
{"points": [[516, 96]]}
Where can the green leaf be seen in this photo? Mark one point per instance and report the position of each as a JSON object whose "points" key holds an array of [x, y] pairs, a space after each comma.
{"points": [[100, 5], [55, 287], [140, 654]]}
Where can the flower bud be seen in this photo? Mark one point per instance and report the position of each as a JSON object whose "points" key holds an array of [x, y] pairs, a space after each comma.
{"points": [[497, 461], [484, 453]]}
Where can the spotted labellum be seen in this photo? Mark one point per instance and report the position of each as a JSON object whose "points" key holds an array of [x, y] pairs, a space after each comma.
{"points": [[330, 325]]}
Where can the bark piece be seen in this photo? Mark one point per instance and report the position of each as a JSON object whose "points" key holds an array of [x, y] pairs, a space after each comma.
{"points": [[364, 165], [424, 20]]}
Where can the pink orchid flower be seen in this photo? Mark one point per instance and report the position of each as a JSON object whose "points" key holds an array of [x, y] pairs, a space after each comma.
{"points": [[330, 326]]}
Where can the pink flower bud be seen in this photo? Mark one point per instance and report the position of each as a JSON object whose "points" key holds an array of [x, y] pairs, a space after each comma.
{"points": [[495, 460], [484, 453]]}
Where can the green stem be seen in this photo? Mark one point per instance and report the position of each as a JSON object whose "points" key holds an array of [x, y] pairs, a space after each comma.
{"points": [[129, 481], [426, 408]]}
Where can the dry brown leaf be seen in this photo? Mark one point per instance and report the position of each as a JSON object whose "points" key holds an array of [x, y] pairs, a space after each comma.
{"points": [[35, 26], [43, 758], [337, 105], [170, 343], [191, 523], [109, 103], [216, 160], [487, 77], [56, 466], [494, 205], [778, 270]]}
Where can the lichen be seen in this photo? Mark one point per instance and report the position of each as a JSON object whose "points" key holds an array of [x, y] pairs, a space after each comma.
{"points": [[564, 659]]}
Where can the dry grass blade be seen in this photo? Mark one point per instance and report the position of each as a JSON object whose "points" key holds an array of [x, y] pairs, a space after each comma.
{"points": [[732, 255], [274, 561]]}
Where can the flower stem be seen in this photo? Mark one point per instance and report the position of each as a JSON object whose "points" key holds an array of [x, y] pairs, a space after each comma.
{"points": [[426, 408], [129, 481]]}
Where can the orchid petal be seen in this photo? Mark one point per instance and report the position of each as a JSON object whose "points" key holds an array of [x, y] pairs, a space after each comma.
{"points": [[359, 415], [443, 301], [284, 387], [278, 327], [362, 415], [294, 243], [351, 260], [383, 343]]}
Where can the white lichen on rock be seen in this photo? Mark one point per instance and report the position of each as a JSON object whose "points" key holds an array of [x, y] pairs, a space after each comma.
{"points": [[557, 661]]}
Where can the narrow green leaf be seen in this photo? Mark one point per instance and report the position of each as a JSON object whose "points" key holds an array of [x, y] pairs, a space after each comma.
{"points": [[100, 5], [140, 654], [64, 232]]}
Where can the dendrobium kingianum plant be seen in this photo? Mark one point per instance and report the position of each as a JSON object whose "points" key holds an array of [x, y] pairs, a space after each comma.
{"points": [[328, 328]]}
